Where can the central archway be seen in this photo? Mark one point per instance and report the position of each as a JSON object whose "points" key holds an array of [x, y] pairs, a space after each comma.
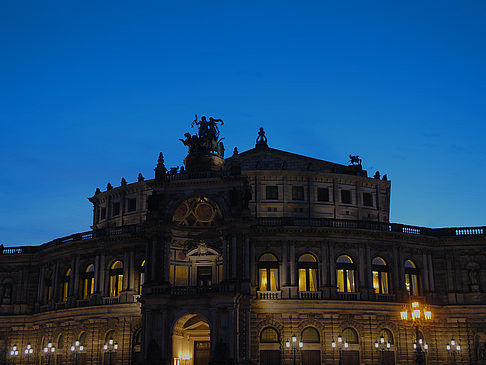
{"points": [[191, 341]]}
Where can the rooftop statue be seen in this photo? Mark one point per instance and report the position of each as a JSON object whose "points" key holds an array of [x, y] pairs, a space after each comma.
{"points": [[207, 140], [354, 160], [261, 139]]}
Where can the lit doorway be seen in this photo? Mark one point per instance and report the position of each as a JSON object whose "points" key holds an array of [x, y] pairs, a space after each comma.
{"points": [[191, 341]]}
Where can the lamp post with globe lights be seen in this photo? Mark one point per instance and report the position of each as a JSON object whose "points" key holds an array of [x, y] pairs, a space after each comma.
{"points": [[453, 348], [340, 346], [48, 351], [110, 347], [382, 346], [294, 346], [28, 352], [76, 349], [418, 316], [14, 353]]}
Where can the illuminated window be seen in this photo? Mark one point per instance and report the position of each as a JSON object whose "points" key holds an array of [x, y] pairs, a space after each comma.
{"points": [[350, 335], [307, 267], [345, 270], [65, 285], [411, 278], [141, 278], [380, 276], [269, 335], [116, 278], [310, 335], [88, 281], [268, 272]]}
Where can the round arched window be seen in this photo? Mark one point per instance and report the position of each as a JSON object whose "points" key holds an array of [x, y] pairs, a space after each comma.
{"points": [[380, 276], [346, 274], [269, 335], [310, 335], [268, 272], [307, 266]]}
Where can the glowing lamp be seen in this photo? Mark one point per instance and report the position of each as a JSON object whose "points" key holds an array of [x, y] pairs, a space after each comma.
{"points": [[186, 357], [287, 343], [346, 345], [458, 347], [453, 342], [294, 338], [301, 344], [382, 339], [427, 314], [448, 347], [403, 315], [415, 304], [388, 345], [333, 344], [340, 339]]}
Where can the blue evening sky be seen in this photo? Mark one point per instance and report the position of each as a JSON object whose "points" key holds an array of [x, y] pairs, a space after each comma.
{"points": [[92, 91]]}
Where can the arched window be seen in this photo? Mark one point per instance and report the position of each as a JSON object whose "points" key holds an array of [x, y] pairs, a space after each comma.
{"points": [[88, 281], [310, 335], [387, 335], [60, 342], [65, 285], [350, 335], [345, 269], [269, 335], [82, 339], [380, 276], [268, 272], [411, 278], [141, 279], [307, 267], [116, 278]]}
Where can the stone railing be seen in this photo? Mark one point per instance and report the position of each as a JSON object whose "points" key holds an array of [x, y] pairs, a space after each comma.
{"points": [[374, 226], [348, 296], [222, 288], [385, 297], [269, 295], [309, 295]]}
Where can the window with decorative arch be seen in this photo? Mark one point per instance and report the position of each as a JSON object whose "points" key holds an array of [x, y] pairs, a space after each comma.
{"points": [[269, 335], [116, 278], [307, 268], [380, 276], [268, 272], [88, 281], [310, 335], [346, 274], [350, 336], [411, 278]]}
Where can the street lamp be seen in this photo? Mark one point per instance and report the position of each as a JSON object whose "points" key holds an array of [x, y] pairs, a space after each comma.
{"points": [[294, 346], [14, 353], [48, 351], [110, 348], [28, 352], [382, 346], [417, 316], [75, 349], [453, 348], [340, 345]]}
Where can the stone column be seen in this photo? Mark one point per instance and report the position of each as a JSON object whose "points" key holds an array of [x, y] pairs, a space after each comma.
{"points": [[153, 260], [285, 263], [55, 285], [40, 287], [167, 243], [97, 274], [225, 259], [425, 275], [323, 266], [132, 271], [101, 276], [71, 277], [332, 270], [126, 270], [233, 257], [293, 273], [76, 278], [431, 273], [247, 259], [396, 271], [252, 263]]}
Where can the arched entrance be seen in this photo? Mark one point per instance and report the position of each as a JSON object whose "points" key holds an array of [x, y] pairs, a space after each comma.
{"points": [[191, 341]]}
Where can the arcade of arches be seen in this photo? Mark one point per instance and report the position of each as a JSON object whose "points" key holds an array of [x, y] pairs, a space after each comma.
{"points": [[191, 341]]}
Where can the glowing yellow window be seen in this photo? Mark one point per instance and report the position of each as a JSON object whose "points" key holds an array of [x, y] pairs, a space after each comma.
{"points": [[116, 278]]}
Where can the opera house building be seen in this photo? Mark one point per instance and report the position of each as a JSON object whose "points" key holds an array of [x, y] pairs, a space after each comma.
{"points": [[262, 257]]}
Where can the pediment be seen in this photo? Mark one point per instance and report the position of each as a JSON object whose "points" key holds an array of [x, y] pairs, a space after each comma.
{"points": [[273, 159]]}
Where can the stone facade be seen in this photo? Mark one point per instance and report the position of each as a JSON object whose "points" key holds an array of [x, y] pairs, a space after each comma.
{"points": [[226, 260]]}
